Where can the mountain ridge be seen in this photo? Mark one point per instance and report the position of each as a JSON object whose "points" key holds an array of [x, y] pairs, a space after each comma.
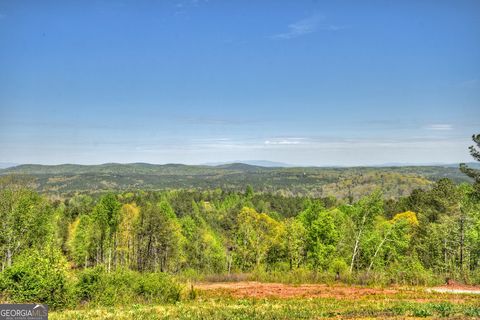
{"points": [[340, 182]]}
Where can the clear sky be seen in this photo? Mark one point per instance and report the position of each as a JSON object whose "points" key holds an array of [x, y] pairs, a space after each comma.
{"points": [[302, 82]]}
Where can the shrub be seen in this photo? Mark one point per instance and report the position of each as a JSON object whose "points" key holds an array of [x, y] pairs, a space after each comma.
{"points": [[122, 286], [339, 267], [158, 287], [38, 279], [370, 278], [475, 276], [88, 282], [410, 272]]}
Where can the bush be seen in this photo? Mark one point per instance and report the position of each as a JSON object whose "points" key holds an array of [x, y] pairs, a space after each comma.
{"points": [[36, 278], [339, 267], [475, 277], [123, 286], [410, 272], [158, 287], [370, 278]]}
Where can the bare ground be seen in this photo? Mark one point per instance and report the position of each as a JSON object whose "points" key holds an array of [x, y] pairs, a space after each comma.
{"points": [[253, 289], [454, 287]]}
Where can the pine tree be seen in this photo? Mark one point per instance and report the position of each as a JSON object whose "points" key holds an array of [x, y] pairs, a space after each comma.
{"points": [[473, 173]]}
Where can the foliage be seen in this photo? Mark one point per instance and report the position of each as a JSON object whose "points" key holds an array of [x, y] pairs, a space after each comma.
{"points": [[321, 235], [25, 220], [468, 170], [35, 277], [256, 234], [99, 287], [219, 232], [119, 247], [341, 183]]}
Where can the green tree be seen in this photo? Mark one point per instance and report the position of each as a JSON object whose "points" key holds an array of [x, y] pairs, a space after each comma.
{"points": [[393, 237], [249, 192], [160, 239], [25, 220], [321, 234], [472, 173], [80, 240], [363, 215], [294, 242], [203, 248], [106, 217], [256, 234], [127, 232]]}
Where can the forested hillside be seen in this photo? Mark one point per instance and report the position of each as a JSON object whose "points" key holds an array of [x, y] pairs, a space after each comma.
{"points": [[343, 183], [125, 239], [134, 246]]}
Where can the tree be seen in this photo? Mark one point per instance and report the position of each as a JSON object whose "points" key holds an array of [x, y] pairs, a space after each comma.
{"points": [[395, 235], [362, 215], [255, 235], [160, 238], [127, 230], [203, 249], [106, 217], [294, 242], [475, 153], [25, 220], [321, 234], [80, 240], [249, 192]]}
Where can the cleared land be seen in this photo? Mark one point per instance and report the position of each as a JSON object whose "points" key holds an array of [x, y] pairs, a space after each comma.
{"points": [[456, 288], [254, 300], [252, 289]]}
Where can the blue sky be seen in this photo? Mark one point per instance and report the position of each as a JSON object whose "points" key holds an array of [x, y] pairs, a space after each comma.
{"points": [[303, 82]]}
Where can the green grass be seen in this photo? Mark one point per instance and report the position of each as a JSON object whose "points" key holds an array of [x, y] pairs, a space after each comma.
{"points": [[217, 305]]}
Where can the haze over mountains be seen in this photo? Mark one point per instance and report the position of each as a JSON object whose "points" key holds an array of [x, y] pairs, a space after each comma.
{"points": [[260, 163], [267, 163], [340, 182], [4, 165]]}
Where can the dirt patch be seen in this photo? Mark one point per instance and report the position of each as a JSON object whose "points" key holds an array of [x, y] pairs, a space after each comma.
{"points": [[455, 287], [252, 289]]}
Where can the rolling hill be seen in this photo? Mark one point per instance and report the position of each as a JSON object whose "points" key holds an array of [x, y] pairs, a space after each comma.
{"points": [[311, 181]]}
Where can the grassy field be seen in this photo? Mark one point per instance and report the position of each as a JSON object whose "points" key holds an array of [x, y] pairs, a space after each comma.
{"points": [[274, 301]]}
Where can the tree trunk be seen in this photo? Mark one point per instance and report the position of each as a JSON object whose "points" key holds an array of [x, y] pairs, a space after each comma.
{"points": [[229, 261], [9, 257], [355, 250], [377, 251], [109, 258], [462, 237], [357, 241]]}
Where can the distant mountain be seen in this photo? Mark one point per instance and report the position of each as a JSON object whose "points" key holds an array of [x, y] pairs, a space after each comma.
{"points": [[308, 181], [474, 165], [242, 167], [430, 164], [4, 165], [258, 163]]}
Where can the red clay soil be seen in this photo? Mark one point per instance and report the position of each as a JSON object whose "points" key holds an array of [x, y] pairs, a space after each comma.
{"points": [[252, 289], [458, 286]]}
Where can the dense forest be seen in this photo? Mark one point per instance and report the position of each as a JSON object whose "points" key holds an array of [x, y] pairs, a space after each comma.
{"points": [[343, 183], [64, 251]]}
